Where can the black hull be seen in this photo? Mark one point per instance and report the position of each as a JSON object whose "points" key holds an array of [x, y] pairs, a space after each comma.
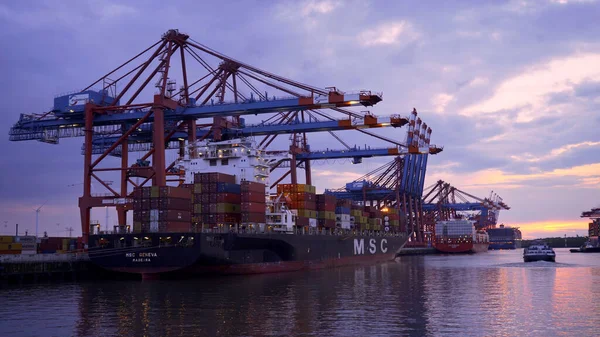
{"points": [[585, 250], [236, 253], [533, 258]]}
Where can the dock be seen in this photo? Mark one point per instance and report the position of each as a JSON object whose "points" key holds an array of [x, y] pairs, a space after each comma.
{"points": [[47, 267]]}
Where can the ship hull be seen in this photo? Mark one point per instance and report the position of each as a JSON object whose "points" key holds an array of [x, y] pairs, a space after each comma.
{"points": [[543, 257], [461, 248], [233, 253]]}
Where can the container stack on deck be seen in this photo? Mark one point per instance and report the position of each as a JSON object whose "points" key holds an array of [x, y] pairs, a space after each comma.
{"points": [[391, 220], [253, 204], [219, 200], [161, 209], [326, 204], [302, 199], [375, 218], [342, 213]]}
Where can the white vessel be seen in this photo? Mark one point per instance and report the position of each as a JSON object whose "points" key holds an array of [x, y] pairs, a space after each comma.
{"points": [[539, 251]]}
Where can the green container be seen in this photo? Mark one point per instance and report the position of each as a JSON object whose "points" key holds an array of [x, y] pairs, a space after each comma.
{"points": [[197, 188], [154, 192], [198, 208]]}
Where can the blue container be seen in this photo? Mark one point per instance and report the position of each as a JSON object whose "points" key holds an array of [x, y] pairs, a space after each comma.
{"points": [[229, 188], [342, 210]]}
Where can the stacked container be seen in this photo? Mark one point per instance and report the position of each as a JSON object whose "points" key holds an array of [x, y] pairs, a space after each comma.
{"points": [[374, 218], [594, 228], [8, 246], [302, 200], [217, 200], [253, 205], [391, 221], [28, 244], [326, 204], [161, 209], [357, 218], [342, 213]]}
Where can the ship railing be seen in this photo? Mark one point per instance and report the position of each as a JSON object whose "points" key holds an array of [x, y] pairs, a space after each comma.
{"points": [[300, 231]]}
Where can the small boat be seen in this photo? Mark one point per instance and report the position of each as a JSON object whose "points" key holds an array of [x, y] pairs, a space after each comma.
{"points": [[587, 247], [539, 251]]}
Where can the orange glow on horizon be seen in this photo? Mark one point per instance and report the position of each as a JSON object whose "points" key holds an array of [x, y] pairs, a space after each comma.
{"points": [[553, 228]]}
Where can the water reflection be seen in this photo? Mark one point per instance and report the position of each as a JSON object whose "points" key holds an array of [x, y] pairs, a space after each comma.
{"points": [[487, 295]]}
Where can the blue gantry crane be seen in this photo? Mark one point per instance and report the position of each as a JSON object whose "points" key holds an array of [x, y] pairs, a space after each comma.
{"points": [[114, 119]]}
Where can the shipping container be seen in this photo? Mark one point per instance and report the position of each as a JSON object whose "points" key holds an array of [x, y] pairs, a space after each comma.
{"points": [[184, 204], [6, 239], [154, 192], [342, 210], [303, 205], [228, 188], [253, 217], [174, 215], [230, 198], [197, 188], [253, 197], [10, 246], [217, 177], [174, 192], [253, 207], [326, 223], [223, 218], [251, 186], [9, 252]]}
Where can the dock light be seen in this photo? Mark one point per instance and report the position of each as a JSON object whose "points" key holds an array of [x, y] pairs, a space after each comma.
{"points": [[180, 139], [146, 238], [353, 102]]}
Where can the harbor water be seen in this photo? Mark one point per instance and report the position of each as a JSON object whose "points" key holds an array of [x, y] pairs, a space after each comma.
{"points": [[489, 294]]}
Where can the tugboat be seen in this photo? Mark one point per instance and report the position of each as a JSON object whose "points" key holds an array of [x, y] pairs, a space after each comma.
{"points": [[539, 251], [587, 247]]}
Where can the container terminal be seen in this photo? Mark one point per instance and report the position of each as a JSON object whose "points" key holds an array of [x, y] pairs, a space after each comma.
{"points": [[221, 206]]}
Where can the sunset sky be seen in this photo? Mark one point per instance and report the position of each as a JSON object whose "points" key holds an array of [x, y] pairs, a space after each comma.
{"points": [[511, 89]]}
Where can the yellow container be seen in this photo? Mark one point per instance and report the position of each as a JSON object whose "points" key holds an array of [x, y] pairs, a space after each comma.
{"points": [[154, 192], [11, 246], [6, 239], [137, 227], [197, 208], [197, 188]]}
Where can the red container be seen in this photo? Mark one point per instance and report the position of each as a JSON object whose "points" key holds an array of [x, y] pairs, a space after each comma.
{"points": [[223, 218], [137, 205], [251, 186], [174, 226], [326, 207], [174, 215], [146, 192], [229, 198], [301, 221], [343, 203], [196, 198], [175, 203], [253, 207], [216, 177], [326, 199], [137, 193], [326, 223], [174, 192], [309, 205], [145, 204], [253, 197], [254, 217]]}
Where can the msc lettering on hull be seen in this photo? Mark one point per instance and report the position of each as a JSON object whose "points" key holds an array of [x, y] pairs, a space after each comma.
{"points": [[359, 246]]}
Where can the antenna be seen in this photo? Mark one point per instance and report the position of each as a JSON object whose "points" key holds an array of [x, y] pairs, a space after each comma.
{"points": [[70, 230]]}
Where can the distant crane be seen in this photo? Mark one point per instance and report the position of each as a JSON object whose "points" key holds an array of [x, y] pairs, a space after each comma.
{"points": [[70, 230], [37, 216]]}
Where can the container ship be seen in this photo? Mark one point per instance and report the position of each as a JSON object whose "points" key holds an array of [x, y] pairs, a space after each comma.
{"points": [[223, 220], [459, 236], [504, 238]]}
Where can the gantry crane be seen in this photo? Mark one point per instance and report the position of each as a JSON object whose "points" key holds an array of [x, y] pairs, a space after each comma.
{"points": [[398, 184], [442, 201], [115, 119]]}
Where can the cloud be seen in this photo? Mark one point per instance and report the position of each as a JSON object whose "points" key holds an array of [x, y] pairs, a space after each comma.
{"points": [[318, 7], [391, 33], [441, 101], [529, 90], [554, 153]]}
